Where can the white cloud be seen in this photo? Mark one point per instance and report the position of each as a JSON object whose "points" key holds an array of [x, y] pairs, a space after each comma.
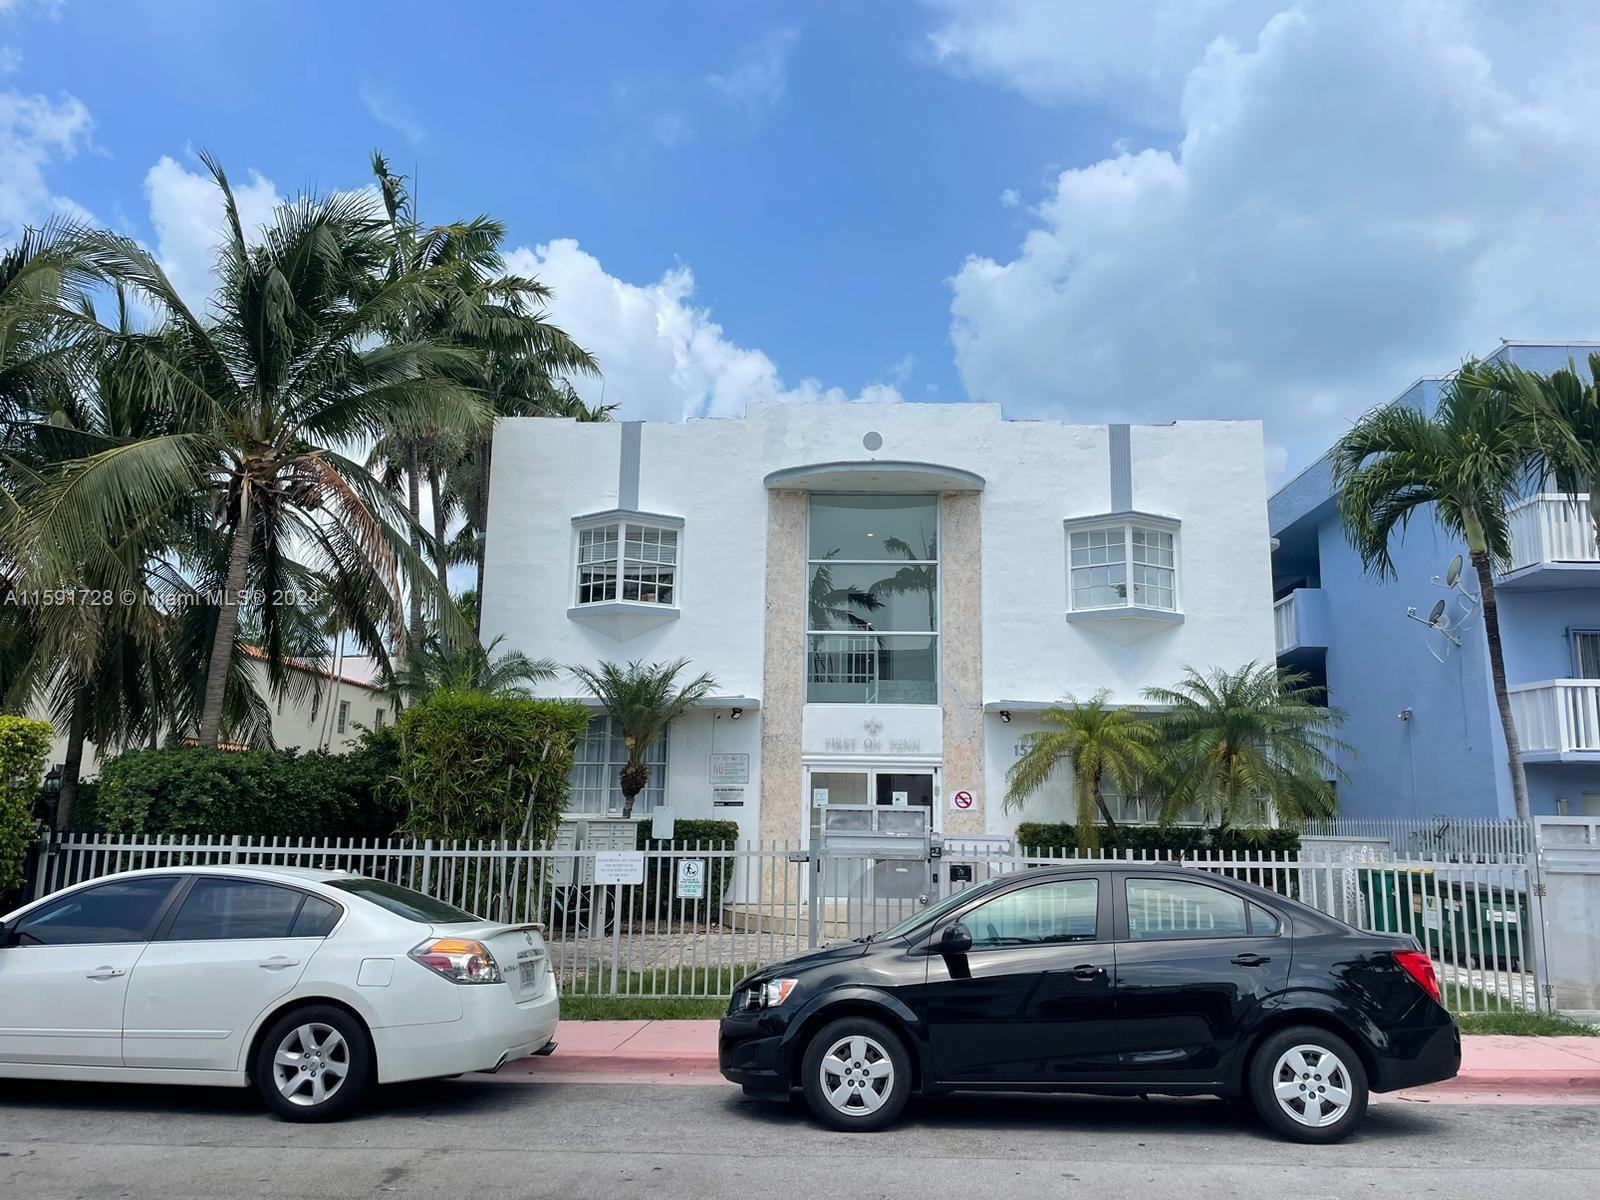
{"points": [[186, 211], [10, 60], [664, 358], [1010, 198], [760, 75], [1130, 56], [386, 108], [36, 132], [1364, 191]]}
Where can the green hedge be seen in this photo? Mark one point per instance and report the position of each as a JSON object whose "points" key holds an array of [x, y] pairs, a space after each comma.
{"points": [[24, 746], [1178, 839], [690, 835], [266, 793], [470, 763]]}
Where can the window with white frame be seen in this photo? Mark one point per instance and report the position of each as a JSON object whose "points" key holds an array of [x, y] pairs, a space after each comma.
{"points": [[1125, 564], [633, 561], [343, 725], [596, 779], [1586, 653]]}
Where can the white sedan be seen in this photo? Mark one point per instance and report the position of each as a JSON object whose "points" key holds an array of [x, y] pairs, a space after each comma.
{"points": [[310, 985]]}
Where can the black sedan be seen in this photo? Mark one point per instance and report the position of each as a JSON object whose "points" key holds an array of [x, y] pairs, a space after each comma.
{"points": [[1117, 980]]}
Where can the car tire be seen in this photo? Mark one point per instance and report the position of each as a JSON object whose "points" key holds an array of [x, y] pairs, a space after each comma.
{"points": [[315, 1063], [1308, 1085], [856, 1075]]}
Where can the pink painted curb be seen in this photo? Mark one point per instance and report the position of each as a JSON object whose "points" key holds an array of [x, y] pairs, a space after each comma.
{"points": [[642, 1051]]}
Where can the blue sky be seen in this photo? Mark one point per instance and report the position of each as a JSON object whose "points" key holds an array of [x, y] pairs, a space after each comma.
{"points": [[1210, 209]]}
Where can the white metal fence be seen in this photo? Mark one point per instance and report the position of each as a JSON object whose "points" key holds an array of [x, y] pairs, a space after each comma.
{"points": [[689, 921], [1441, 837]]}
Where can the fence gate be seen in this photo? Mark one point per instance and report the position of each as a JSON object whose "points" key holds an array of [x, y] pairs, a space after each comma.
{"points": [[876, 866]]}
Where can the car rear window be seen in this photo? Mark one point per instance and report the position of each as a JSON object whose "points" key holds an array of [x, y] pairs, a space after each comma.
{"points": [[403, 902]]}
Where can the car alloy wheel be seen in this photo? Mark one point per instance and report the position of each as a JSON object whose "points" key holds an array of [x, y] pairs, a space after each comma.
{"points": [[311, 1064], [857, 1075], [1312, 1085]]}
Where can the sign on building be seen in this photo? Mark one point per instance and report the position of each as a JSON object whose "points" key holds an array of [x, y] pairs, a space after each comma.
{"points": [[727, 797], [730, 768]]}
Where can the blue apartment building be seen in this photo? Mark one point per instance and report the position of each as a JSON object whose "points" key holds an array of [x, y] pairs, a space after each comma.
{"points": [[1422, 716]]}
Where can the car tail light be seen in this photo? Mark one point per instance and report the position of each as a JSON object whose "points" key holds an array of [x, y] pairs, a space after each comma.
{"points": [[1420, 967], [459, 960]]}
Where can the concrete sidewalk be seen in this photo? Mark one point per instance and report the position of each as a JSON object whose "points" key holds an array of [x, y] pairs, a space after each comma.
{"points": [[1515, 1070]]}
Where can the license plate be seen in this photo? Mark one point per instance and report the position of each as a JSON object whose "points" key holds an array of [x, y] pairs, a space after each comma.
{"points": [[528, 969]]}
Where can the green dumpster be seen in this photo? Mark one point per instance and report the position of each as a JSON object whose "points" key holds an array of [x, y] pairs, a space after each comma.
{"points": [[1470, 923]]}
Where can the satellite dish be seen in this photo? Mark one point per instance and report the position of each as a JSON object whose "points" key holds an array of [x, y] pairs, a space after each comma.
{"points": [[1436, 614], [1452, 573], [1437, 622]]}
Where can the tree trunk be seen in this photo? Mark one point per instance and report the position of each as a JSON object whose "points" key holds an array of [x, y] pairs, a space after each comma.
{"points": [[440, 563], [1502, 696], [633, 778], [227, 625], [482, 543], [1105, 815], [414, 505], [67, 800]]}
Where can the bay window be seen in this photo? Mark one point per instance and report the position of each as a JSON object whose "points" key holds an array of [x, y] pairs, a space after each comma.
{"points": [[629, 560], [1130, 563]]}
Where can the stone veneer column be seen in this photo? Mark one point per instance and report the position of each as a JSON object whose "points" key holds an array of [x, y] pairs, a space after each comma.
{"points": [[961, 655], [783, 670]]}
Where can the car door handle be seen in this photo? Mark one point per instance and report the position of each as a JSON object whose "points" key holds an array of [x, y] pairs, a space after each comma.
{"points": [[278, 962], [106, 973], [1250, 960], [1087, 971]]}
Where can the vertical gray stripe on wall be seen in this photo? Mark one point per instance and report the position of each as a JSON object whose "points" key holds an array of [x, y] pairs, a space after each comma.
{"points": [[628, 468], [1121, 469]]}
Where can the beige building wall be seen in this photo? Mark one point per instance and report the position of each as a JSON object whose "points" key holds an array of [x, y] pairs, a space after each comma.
{"points": [[961, 657], [784, 685]]}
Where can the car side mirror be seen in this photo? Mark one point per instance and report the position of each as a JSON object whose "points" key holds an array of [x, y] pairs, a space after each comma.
{"points": [[8, 933], [957, 939]]}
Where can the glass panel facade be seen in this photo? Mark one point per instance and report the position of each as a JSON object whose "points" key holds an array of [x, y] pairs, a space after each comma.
{"points": [[596, 779], [875, 528], [863, 596], [872, 603], [872, 669]]}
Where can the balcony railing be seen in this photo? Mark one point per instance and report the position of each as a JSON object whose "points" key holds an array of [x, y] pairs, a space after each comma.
{"points": [[1285, 627], [1552, 528], [1300, 619], [1558, 716]]}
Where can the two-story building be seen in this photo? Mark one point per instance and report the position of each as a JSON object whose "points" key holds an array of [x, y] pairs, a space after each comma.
{"points": [[886, 595], [1423, 720]]}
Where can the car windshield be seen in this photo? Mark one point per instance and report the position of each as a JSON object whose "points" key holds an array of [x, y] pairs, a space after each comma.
{"points": [[402, 901], [933, 913]]}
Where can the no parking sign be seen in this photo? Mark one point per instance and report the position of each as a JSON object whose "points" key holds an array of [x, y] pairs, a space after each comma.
{"points": [[961, 801]]}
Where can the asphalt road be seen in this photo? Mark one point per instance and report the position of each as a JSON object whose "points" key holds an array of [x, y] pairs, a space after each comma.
{"points": [[595, 1141]]}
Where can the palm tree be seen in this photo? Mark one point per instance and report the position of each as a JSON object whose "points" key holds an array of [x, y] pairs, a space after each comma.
{"points": [[1562, 412], [1096, 741], [1463, 465], [517, 354], [287, 369], [1238, 742], [643, 699], [467, 666]]}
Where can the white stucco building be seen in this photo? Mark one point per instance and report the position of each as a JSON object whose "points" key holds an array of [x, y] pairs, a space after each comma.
{"points": [[884, 594]]}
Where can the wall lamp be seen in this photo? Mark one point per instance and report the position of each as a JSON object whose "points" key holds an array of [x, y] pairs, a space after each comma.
{"points": [[736, 713], [1005, 716]]}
